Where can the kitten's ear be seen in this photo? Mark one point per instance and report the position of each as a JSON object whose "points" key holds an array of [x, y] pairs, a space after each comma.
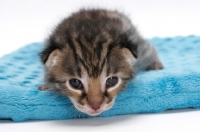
{"points": [[129, 56], [53, 58]]}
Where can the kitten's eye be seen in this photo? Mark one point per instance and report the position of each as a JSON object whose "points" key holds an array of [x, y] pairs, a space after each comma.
{"points": [[111, 82], [75, 83]]}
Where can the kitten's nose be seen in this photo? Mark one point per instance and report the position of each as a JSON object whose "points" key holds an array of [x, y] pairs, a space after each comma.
{"points": [[95, 105]]}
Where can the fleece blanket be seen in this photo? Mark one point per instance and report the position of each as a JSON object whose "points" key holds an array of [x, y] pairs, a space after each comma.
{"points": [[177, 86]]}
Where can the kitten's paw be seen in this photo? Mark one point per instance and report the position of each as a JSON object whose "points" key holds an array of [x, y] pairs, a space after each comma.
{"points": [[157, 65], [43, 88]]}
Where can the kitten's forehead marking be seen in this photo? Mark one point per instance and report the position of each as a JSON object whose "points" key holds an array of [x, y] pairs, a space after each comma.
{"points": [[103, 80], [84, 79], [93, 83]]}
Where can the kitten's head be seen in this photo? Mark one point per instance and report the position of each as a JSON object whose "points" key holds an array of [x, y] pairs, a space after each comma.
{"points": [[90, 78], [89, 58]]}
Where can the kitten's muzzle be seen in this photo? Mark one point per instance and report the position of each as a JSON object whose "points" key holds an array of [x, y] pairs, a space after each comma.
{"points": [[95, 104]]}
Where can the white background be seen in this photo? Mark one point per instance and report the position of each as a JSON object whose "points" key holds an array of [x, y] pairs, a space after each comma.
{"points": [[26, 21]]}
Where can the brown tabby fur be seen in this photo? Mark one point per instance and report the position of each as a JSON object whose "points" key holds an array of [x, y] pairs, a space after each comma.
{"points": [[92, 42]]}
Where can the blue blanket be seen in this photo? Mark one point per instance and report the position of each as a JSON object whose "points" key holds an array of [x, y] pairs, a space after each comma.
{"points": [[177, 86]]}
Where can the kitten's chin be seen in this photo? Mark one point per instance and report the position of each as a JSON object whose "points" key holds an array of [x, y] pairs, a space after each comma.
{"points": [[89, 111], [92, 112]]}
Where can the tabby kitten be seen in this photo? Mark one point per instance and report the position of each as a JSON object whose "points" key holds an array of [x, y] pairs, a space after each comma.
{"points": [[91, 55]]}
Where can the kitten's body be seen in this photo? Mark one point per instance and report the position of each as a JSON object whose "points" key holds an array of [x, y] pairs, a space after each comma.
{"points": [[91, 55]]}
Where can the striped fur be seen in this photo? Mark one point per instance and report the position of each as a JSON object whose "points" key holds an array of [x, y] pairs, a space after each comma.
{"points": [[91, 46]]}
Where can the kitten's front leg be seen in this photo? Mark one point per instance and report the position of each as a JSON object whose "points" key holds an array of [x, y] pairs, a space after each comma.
{"points": [[43, 88], [48, 87]]}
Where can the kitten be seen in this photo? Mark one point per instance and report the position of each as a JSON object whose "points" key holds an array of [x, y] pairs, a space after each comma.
{"points": [[91, 55]]}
